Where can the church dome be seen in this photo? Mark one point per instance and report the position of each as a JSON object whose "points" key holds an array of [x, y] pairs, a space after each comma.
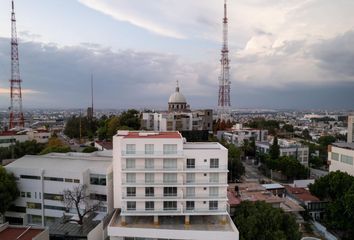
{"points": [[177, 97]]}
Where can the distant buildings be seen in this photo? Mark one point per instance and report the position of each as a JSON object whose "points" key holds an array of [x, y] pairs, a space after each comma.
{"points": [[239, 134], [9, 137], [42, 180], [166, 188], [179, 117], [287, 148]]}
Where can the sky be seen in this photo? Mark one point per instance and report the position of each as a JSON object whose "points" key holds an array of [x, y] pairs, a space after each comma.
{"points": [[284, 53]]}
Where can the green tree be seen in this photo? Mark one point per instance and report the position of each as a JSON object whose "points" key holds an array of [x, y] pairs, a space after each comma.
{"points": [[235, 166], [8, 190], [338, 189], [260, 221], [274, 150], [89, 149], [288, 128], [306, 134]]}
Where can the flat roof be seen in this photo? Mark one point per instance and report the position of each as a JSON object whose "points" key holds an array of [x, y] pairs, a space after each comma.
{"points": [[197, 223], [345, 145], [143, 134], [64, 161], [272, 186], [19, 233], [202, 145], [302, 194]]}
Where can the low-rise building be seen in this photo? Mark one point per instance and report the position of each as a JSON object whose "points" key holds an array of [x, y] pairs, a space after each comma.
{"points": [[8, 232], [10, 137], [341, 157], [238, 134], [287, 148], [42, 179], [167, 188]]}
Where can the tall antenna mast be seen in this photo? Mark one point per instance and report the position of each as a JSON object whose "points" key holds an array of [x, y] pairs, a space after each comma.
{"points": [[224, 102], [16, 114], [92, 93]]}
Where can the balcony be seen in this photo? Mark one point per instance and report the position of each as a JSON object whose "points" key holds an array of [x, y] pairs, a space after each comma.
{"points": [[152, 197], [152, 169], [220, 168], [155, 154], [207, 183], [205, 196], [221, 210], [154, 183], [142, 211]]}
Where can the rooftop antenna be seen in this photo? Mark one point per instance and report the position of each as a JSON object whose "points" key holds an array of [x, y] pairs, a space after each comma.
{"points": [[92, 93]]}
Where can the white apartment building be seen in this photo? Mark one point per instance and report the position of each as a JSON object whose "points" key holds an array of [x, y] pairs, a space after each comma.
{"points": [[238, 134], [7, 138], [287, 148], [42, 179], [341, 157], [350, 135], [167, 188]]}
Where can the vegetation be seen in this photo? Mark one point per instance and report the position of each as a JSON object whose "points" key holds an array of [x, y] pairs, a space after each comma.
{"points": [[235, 166], [260, 221], [74, 124], [337, 188], [89, 149], [55, 145], [8, 190], [221, 125], [274, 150], [260, 123], [18, 150], [248, 148], [288, 128], [76, 198]]}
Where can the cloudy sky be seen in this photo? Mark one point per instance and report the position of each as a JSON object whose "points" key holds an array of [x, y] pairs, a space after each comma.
{"points": [[284, 53]]}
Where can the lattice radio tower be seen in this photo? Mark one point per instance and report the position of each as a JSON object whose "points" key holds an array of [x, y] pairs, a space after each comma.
{"points": [[224, 102], [16, 114]]}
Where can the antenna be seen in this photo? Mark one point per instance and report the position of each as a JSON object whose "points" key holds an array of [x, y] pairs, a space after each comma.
{"points": [[92, 94], [16, 114]]}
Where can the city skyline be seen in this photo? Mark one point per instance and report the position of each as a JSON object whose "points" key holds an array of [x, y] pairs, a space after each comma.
{"points": [[284, 54]]}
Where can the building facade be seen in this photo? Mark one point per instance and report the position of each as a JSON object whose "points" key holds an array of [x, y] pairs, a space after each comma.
{"points": [[341, 157], [238, 135], [350, 134], [42, 179], [287, 148], [163, 184]]}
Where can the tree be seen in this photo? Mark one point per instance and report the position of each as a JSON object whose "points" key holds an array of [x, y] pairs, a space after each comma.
{"points": [[274, 150], [306, 134], [260, 221], [8, 190], [20, 149], [338, 189], [55, 145], [89, 149], [288, 128], [288, 166], [235, 166], [78, 199]]}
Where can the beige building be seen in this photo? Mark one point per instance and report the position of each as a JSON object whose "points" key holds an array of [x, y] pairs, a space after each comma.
{"points": [[350, 135], [341, 157]]}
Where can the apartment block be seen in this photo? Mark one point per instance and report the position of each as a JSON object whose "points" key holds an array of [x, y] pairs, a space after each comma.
{"points": [[341, 157], [350, 135], [42, 180], [167, 188]]}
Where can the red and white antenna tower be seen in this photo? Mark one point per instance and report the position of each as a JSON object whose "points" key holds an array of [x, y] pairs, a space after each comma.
{"points": [[224, 102], [16, 114]]}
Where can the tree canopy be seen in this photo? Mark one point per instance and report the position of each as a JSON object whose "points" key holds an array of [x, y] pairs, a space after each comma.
{"points": [[288, 166], [260, 221], [337, 188], [21, 149], [55, 145], [274, 150], [8, 190], [235, 166]]}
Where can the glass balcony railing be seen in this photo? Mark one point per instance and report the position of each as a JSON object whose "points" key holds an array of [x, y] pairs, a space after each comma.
{"points": [[152, 154]]}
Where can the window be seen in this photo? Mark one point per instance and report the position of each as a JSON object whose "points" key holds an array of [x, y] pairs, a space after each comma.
{"points": [[213, 205], [170, 149], [149, 177], [130, 148], [96, 179], [14, 208], [170, 177], [190, 177], [170, 163], [149, 206], [190, 205], [68, 180], [169, 191], [54, 197], [213, 191], [78, 181], [28, 194], [214, 163], [30, 177], [149, 163], [130, 177], [190, 163], [55, 179], [149, 191], [32, 205], [169, 205], [98, 197], [190, 191], [131, 206], [214, 177], [130, 163], [23, 194], [346, 159], [55, 208], [149, 148], [131, 191]]}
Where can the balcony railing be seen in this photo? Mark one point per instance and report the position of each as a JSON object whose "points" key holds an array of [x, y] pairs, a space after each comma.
{"points": [[152, 154], [206, 168], [205, 196], [156, 196], [205, 210], [153, 169], [154, 183], [178, 210]]}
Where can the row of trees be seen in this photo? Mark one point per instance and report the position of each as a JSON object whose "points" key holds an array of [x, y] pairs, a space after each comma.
{"points": [[20, 149], [8, 190], [338, 189]]}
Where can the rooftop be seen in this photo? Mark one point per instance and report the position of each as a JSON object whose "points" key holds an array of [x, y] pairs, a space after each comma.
{"points": [[105, 145], [197, 223], [143, 134], [273, 186], [202, 145], [61, 161], [19, 233], [301, 194], [345, 145]]}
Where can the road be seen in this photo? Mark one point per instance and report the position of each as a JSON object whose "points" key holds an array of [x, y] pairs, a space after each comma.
{"points": [[252, 172]]}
